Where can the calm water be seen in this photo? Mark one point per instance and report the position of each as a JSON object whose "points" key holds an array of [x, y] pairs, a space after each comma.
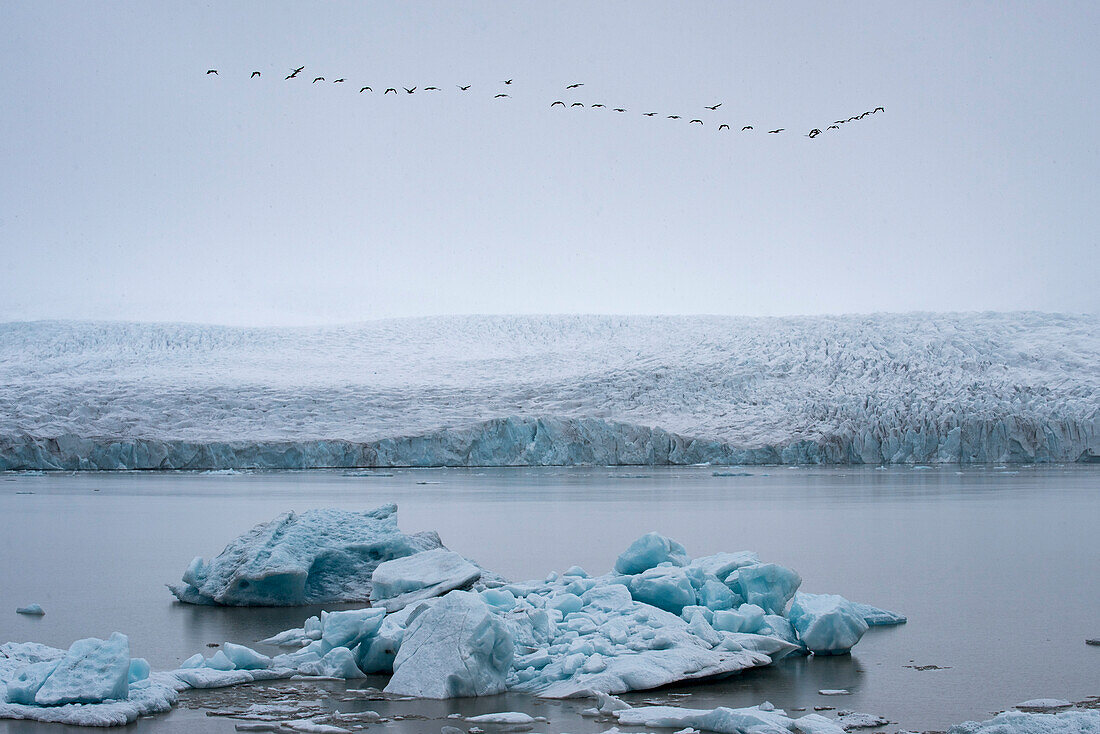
{"points": [[997, 569]]}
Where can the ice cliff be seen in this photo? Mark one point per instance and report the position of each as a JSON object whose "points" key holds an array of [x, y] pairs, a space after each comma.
{"points": [[496, 391]]}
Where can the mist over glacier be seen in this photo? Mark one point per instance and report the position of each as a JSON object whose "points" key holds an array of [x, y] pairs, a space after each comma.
{"points": [[530, 390]]}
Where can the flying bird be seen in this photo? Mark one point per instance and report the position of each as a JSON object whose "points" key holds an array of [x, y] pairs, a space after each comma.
{"points": [[839, 122], [431, 89], [501, 95], [410, 91], [833, 127], [619, 109], [878, 109], [649, 114], [674, 117], [576, 104], [851, 118], [211, 71], [463, 88], [746, 127], [558, 102], [318, 79], [864, 115], [723, 126], [337, 81], [390, 89], [365, 89], [599, 105], [778, 130], [507, 81], [254, 75], [813, 133], [698, 121], [296, 72], [574, 86], [714, 107]]}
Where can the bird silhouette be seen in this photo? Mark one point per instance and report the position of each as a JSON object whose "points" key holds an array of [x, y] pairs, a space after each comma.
{"points": [[501, 95], [431, 89], [778, 130], [599, 105], [850, 119], [649, 114], [839, 122], [864, 115], [833, 127], [878, 109], [254, 75], [576, 104], [507, 81], [365, 89], [318, 79], [746, 127], [558, 102], [337, 81], [574, 86], [619, 109], [723, 126], [296, 72], [463, 88], [410, 91], [388, 90], [211, 71], [714, 107], [698, 121], [813, 133], [674, 117]]}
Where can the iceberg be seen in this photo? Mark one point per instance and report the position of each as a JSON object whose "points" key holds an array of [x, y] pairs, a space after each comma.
{"points": [[399, 582], [456, 647], [1018, 722], [826, 623], [318, 556]]}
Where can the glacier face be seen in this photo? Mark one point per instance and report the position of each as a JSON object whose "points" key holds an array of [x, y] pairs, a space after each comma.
{"points": [[495, 391]]}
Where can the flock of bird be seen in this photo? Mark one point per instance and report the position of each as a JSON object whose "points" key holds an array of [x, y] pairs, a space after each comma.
{"points": [[813, 133]]}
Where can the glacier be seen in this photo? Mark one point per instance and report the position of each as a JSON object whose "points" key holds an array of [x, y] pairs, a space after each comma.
{"points": [[552, 390]]}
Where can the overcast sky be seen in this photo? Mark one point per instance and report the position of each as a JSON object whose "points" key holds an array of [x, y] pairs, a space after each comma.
{"points": [[136, 186]]}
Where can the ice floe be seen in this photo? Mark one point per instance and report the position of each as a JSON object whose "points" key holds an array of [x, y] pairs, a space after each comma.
{"points": [[32, 610], [397, 583], [1018, 722]]}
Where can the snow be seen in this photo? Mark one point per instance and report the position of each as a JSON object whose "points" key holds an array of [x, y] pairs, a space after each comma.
{"points": [[916, 388], [828, 624], [456, 647], [1018, 722], [397, 583], [318, 556], [33, 610]]}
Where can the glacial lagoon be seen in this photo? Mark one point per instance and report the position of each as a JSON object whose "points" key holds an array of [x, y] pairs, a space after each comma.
{"points": [[994, 565]]}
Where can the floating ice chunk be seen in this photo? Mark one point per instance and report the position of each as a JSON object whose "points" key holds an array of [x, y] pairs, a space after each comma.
{"points": [[1043, 704], [607, 704], [323, 555], [754, 720], [826, 623], [768, 585], [1018, 722], [849, 720], [139, 670], [721, 565], [400, 582], [219, 661], [504, 717], [92, 671], [339, 662], [834, 692], [455, 648], [817, 724], [195, 661], [746, 618], [649, 551], [876, 617], [777, 626], [33, 610], [244, 658], [312, 727], [349, 628], [23, 687], [576, 571], [665, 587]]}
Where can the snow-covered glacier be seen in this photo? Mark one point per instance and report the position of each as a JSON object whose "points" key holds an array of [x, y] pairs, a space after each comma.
{"points": [[552, 390]]}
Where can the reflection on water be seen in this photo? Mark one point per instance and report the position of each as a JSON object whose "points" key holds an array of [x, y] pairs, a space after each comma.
{"points": [[995, 568]]}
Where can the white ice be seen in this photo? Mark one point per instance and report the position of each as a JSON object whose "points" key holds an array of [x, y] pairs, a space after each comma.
{"points": [[402, 581], [533, 390], [1018, 722]]}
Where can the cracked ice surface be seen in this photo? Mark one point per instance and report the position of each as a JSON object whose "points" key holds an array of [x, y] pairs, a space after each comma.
{"points": [[551, 390]]}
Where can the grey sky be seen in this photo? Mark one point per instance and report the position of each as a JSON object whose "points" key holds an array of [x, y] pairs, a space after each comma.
{"points": [[135, 186]]}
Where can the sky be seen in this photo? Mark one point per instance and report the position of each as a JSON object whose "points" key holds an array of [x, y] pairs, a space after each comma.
{"points": [[136, 186]]}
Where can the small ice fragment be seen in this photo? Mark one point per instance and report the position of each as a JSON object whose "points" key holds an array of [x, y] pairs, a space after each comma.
{"points": [[1093, 641], [854, 720], [817, 724], [834, 692], [504, 717], [34, 610], [1043, 704], [451, 730]]}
